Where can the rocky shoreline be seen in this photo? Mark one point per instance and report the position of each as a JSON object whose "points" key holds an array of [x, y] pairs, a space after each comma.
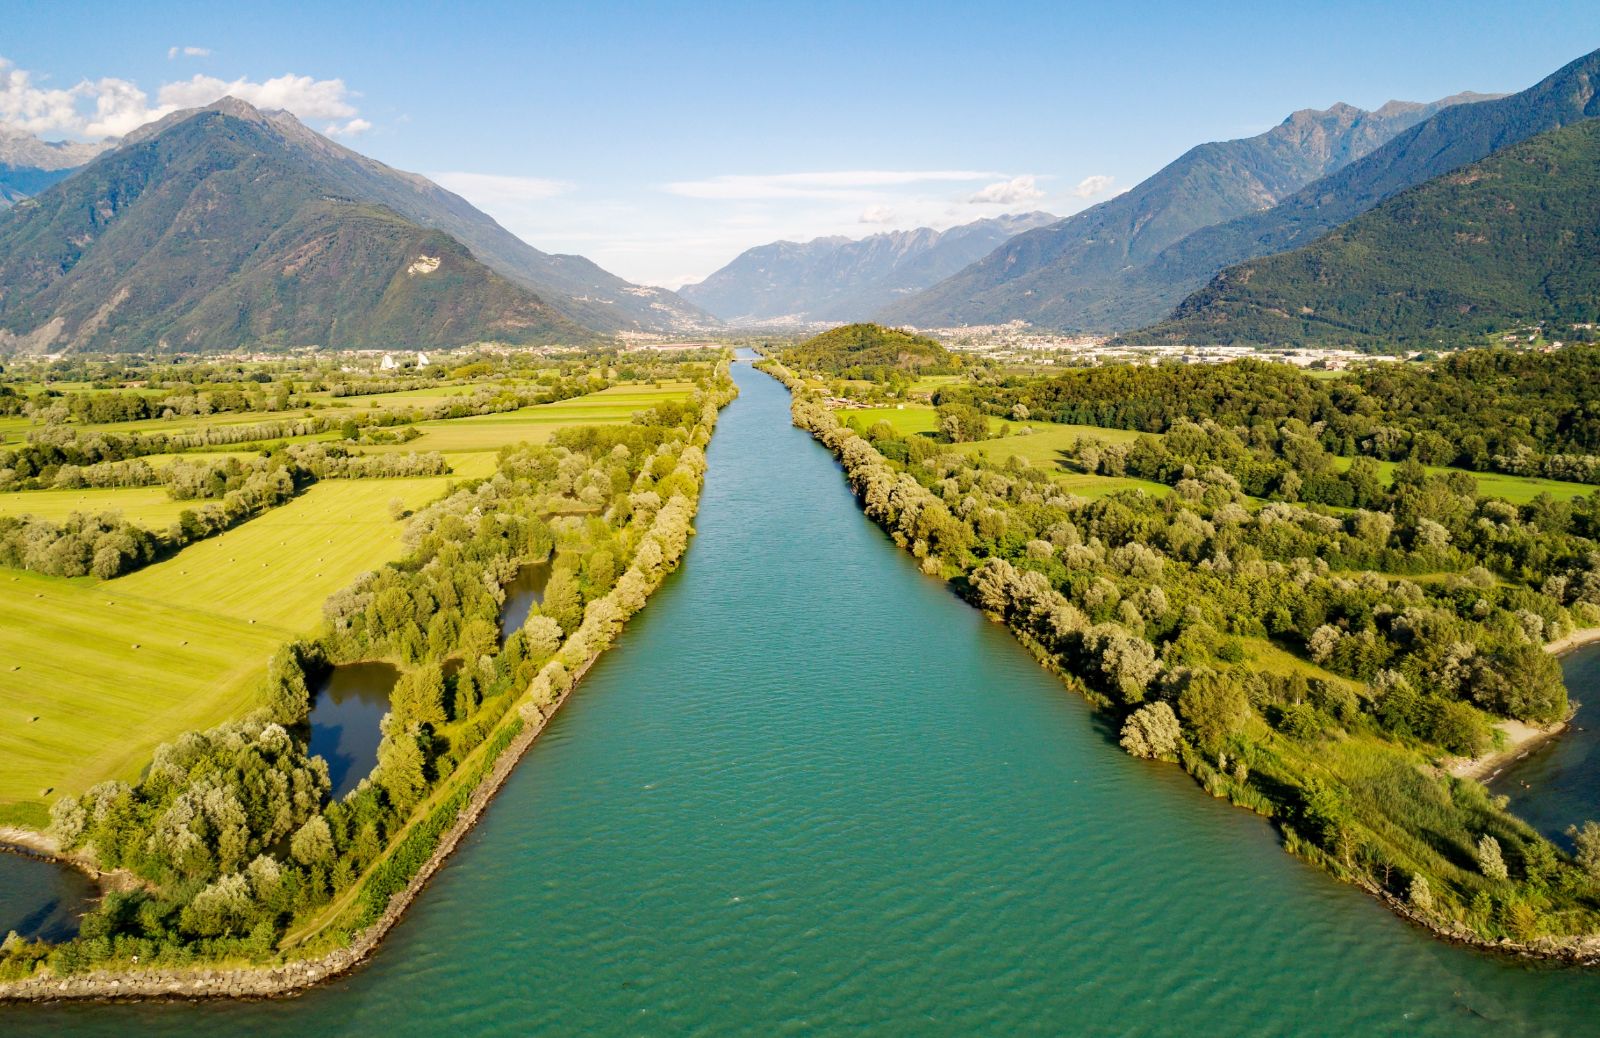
{"points": [[1573, 951]]}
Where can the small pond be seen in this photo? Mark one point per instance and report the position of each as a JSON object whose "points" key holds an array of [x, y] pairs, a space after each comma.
{"points": [[525, 591], [42, 900], [1558, 783], [345, 710]]}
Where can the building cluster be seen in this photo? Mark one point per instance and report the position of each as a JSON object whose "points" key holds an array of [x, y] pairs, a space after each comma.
{"points": [[1020, 343]]}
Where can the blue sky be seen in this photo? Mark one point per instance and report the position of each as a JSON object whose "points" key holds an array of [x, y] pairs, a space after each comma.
{"points": [[661, 139]]}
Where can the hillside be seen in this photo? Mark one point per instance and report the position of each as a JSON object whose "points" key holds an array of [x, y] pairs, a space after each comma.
{"points": [[208, 232], [842, 279], [575, 286], [1059, 275], [868, 350], [1510, 239], [1452, 139]]}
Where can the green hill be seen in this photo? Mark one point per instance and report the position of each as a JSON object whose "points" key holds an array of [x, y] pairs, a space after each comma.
{"points": [[213, 232], [868, 350], [1502, 242]]}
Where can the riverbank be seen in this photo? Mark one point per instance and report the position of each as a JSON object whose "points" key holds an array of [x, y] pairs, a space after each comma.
{"points": [[294, 977], [1576, 640], [888, 497], [450, 812], [1521, 738]]}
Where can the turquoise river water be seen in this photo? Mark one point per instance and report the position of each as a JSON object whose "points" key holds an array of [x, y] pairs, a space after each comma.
{"points": [[811, 792]]}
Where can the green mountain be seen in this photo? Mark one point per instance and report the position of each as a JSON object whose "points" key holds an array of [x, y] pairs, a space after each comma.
{"points": [[211, 231], [857, 349], [1447, 141], [1058, 275], [579, 289], [1508, 240]]}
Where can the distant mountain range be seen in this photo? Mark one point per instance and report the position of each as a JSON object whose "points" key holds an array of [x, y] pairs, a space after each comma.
{"points": [[1511, 239], [1445, 142], [28, 165], [1072, 274], [845, 279], [224, 227]]}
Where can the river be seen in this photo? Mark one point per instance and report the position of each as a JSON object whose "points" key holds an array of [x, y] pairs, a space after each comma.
{"points": [[811, 792], [1557, 784]]}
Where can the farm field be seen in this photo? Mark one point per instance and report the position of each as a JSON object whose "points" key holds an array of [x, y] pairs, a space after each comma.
{"points": [[149, 507], [405, 397], [80, 704], [278, 568], [104, 672], [107, 671], [113, 669], [537, 424]]}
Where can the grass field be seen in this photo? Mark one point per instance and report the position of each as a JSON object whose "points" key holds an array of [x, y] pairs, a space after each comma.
{"points": [[1516, 489], [149, 507], [80, 704], [95, 675], [934, 383], [204, 622], [277, 569], [1044, 446], [490, 432], [918, 418], [404, 398]]}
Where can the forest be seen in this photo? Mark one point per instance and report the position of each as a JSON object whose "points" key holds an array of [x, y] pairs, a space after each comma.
{"points": [[870, 351], [1490, 410]]}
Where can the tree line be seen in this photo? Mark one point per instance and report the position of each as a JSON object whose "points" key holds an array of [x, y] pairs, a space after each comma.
{"points": [[1490, 410]]}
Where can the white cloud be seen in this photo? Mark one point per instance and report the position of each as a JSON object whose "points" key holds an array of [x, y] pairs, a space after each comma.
{"points": [[306, 97], [878, 214], [1091, 186], [353, 128], [1008, 192], [173, 53], [111, 107], [490, 188], [32, 108], [840, 185]]}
